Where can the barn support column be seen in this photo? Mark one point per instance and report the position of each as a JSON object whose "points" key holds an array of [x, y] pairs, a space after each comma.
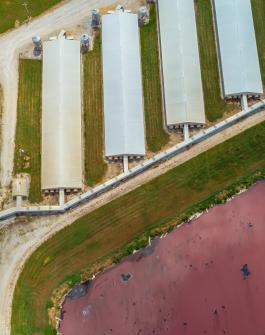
{"points": [[125, 164], [19, 201], [61, 197], [244, 102], [186, 132]]}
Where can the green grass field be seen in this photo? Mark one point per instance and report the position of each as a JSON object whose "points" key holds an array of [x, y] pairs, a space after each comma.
{"points": [[258, 9], [112, 226], [95, 167], [28, 130], [215, 106], [156, 136], [12, 10]]}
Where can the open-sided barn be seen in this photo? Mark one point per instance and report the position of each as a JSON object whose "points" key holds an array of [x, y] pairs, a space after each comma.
{"points": [[61, 163], [183, 92], [123, 96], [238, 55]]}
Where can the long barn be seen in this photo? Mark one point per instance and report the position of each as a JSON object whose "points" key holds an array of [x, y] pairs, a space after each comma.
{"points": [[183, 92], [238, 55], [123, 95], [61, 155]]}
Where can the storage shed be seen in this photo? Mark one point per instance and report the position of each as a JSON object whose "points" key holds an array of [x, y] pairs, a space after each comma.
{"points": [[61, 161], [183, 92], [20, 186], [237, 48], [123, 95]]}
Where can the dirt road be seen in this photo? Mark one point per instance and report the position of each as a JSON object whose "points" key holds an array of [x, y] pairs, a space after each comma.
{"points": [[70, 16], [19, 240]]}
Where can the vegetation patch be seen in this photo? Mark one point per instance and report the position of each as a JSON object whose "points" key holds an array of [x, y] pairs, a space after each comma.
{"points": [[15, 11], [124, 224], [156, 136], [215, 106], [95, 166], [28, 130], [258, 9]]}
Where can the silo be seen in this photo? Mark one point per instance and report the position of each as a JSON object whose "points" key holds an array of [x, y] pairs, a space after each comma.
{"points": [[143, 15], [84, 42], [96, 18], [37, 41]]}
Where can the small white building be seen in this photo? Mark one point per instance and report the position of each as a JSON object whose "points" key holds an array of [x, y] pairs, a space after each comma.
{"points": [[20, 186], [61, 154], [183, 92], [237, 48], [122, 85]]}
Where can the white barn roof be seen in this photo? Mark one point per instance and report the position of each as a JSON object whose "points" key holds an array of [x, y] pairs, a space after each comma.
{"points": [[61, 161], [239, 63], [123, 96], [183, 90]]}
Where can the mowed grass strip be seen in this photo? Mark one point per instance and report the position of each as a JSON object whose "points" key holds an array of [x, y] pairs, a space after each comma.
{"points": [[28, 129], [156, 136], [95, 166], [258, 9], [13, 10], [215, 106], [119, 222]]}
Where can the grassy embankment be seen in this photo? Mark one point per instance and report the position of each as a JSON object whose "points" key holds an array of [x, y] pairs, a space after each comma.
{"points": [[156, 136], [95, 167], [28, 130], [215, 106], [150, 209], [13, 10], [258, 9]]}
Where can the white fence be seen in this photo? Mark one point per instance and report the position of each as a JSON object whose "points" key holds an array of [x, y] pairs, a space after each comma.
{"points": [[173, 151]]}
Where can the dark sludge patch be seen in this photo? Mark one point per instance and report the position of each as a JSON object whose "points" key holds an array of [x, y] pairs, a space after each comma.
{"points": [[147, 251], [79, 290], [245, 271], [126, 277]]}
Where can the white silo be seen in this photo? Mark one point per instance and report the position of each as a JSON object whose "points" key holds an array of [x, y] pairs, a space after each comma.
{"points": [[143, 15], [37, 41], [85, 42]]}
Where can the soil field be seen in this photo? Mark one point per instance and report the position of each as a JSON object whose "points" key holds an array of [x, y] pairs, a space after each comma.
{"points": [[258, 9], [95, 166], [206, 277], [215, 106], [28, 129], [110, 228], [156, 136], [11, 11]]}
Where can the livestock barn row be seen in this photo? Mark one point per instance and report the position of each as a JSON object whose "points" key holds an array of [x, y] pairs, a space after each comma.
{"points": [[238, 54], [181, 63], [61, 161], [123, 95], [122, 83]]}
